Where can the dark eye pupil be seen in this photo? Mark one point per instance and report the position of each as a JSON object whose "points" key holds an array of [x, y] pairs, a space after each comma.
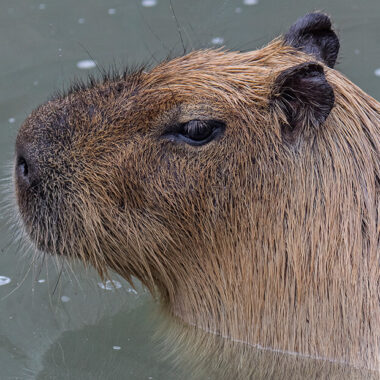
{"points": [[197, 130]]}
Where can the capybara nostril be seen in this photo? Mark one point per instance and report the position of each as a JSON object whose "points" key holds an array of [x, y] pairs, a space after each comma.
{"points": [[26, 172], [22, 167]]}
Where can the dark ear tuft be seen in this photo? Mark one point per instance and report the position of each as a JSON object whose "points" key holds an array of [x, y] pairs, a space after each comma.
{"points": [[313, 35], [304, 96]]}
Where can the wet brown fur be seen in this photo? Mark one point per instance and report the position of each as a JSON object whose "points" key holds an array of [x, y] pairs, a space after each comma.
{"points": [[248, 237]]}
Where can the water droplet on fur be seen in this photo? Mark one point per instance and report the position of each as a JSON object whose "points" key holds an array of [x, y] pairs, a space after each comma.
{"points": [[110, 285], [250, 2], [65, 299], [4, 280], [148, 3], [117, 348], [86, 64], [130, 290], [11, 120], [217, 40], [377, 72], [81, 21], [41, 280], [111, 11]]}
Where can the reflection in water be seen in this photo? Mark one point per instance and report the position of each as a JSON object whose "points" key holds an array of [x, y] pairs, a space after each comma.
{"points": [[210, 356], [114, 347]]}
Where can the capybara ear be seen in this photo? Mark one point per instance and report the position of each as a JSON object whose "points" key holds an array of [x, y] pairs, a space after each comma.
{"points": [[305, 98], [313, 35]]}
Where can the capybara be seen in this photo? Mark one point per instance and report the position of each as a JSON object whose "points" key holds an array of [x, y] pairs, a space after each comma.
{"points": [[242, 189]]}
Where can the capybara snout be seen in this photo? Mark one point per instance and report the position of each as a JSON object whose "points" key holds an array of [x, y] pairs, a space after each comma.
{"points": [[243, 188]]}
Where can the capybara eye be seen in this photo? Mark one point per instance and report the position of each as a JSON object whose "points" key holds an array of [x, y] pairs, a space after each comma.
{"points": [[196, 132]]}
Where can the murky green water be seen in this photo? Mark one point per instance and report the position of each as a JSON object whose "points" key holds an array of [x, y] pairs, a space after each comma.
{"points": [[66, 326]]}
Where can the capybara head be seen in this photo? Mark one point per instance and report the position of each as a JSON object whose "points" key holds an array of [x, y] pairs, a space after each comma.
{"points": [[243, 188]]}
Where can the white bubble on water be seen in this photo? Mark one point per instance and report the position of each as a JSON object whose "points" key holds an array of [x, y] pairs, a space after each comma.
{"points": [[131, 290], [4, 280], [148, 3], [217, 40], [357, 51], [377, 72], [65, 299], [117, 348], [11, 120], [110, 285], [86, 64], [111, 11], [238, 10], [250, 2], [35, 83], [81, 20], [41, 280], [42, 7]]}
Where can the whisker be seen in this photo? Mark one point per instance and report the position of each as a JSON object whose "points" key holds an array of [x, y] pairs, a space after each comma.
{"points": [[18, 286], [178, 27], [59, 276], [100, 68], [40, 266]]}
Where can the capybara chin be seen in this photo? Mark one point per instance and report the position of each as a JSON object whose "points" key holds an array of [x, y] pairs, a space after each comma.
{"points": [[242, 188]]}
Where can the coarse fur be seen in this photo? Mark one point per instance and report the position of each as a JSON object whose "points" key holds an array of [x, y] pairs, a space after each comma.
{"points": [[256, 236]]}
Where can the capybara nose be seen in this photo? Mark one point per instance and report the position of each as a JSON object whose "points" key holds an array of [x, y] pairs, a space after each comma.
{"points": [[26, 171]]}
